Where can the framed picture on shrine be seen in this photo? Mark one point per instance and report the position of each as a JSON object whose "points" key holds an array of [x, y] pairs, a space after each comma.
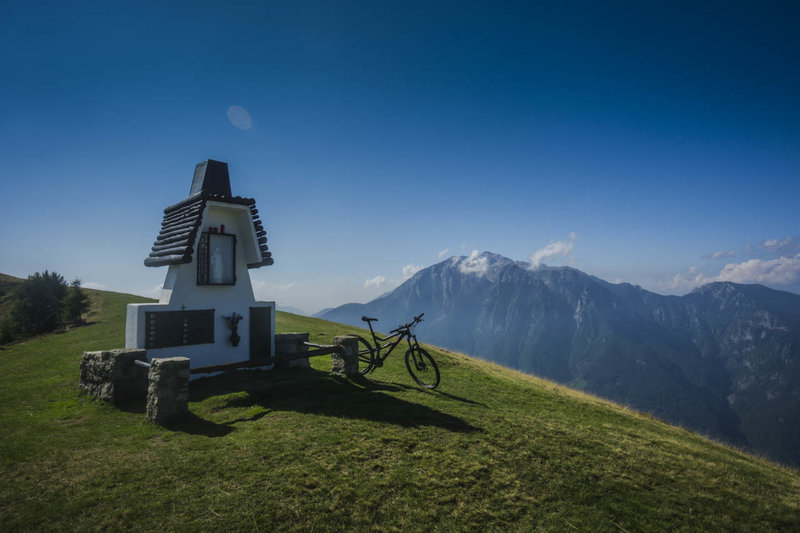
{"points": [[216, 259]]}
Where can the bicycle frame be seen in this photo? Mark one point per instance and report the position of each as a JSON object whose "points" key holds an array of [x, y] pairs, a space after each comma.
{"points": [[405, 333]]}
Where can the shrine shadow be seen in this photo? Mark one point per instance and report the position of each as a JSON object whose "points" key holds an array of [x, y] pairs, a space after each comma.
{"points": [[194, 425], [188, 423], [137, 406], [315, 392]]}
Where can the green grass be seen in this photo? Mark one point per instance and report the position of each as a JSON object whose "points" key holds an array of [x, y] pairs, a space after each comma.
{"points": [[299, 450]]}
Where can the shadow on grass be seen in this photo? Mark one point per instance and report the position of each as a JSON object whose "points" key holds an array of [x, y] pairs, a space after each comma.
{"points": [[194, 425], [313, 391], [188, 423], [132, 406], [392, 386], [457, 398]]}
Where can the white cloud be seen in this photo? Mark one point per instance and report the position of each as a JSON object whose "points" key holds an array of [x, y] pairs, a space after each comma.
{"points": [[784, 247], [721, 254], [239, 117], [781, 271], [260, 286], [375, 283], [155, 292], [384, 283], [411, 269], [553, 249], [686, 281], [93, 285], [443, 253], [474, 264]]}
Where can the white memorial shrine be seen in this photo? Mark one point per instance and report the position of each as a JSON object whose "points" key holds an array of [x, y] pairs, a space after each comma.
{"points": [[207, 311]]}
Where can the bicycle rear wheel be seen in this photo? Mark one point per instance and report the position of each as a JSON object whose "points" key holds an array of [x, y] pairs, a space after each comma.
{"points": [[365, 355], [422, 367]]}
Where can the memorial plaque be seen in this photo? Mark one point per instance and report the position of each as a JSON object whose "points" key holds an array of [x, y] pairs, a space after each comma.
{"points": [[179, 328]]}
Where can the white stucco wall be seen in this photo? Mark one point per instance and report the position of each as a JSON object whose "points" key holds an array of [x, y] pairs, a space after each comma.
{"points": [[182, 291]]}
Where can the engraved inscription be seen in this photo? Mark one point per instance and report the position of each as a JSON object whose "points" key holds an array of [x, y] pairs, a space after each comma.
{"points": [[179, 328]]}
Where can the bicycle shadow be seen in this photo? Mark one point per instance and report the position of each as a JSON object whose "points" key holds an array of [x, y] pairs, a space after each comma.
{"points": [[316, 392], [393, 386]]}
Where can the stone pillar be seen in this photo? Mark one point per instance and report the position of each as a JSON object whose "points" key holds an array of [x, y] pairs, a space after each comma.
{"points": [[290, 344], [345, 363], [168, 389], [111, 375]]}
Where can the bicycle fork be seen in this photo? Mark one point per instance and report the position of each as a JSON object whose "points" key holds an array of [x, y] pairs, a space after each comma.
{"points": [[419, 362]]}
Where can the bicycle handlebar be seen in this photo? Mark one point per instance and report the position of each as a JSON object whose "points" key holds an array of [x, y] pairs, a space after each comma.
{"points": [[417, 319]]}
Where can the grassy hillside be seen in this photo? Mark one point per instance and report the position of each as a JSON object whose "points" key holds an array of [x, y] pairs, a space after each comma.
{"points": [[300, 450], [7, 284]]}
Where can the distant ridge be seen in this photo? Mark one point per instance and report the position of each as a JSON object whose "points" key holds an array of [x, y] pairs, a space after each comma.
{"points": [[293, 310], [722, 360], [321, 312]]}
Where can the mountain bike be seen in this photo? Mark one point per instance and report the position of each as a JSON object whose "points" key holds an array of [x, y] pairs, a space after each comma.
{"points": [[419, 362]]}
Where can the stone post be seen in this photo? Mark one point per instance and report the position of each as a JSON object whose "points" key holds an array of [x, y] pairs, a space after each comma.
{"points": [[168, 389], [111, 375], [290, 344], [345, 362]]}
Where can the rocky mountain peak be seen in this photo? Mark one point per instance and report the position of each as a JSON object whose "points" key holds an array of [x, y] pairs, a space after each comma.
{"points": [[486, 265]]}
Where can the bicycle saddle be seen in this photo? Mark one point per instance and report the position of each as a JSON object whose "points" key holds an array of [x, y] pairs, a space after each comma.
{"points": [[366, 319]]}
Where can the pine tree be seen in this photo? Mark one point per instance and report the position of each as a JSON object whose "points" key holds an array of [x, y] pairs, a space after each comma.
{"points": [[75, 304]]}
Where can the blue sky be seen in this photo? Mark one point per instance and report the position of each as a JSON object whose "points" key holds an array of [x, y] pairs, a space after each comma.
{"points": [[654, 143]]}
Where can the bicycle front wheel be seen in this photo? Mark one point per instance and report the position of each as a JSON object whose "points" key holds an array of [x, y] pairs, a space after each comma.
{"points": [[365, 355], [422, 367]]}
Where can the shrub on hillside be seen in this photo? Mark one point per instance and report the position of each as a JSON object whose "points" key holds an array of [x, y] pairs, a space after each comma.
{"points": [[37, 304], [43, 303]]}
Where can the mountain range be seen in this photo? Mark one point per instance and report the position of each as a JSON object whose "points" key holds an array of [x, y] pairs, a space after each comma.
{"points": [[723, 360]]}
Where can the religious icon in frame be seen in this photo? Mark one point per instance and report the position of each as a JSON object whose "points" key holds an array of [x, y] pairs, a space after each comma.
{"points": [[216, 259]]}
